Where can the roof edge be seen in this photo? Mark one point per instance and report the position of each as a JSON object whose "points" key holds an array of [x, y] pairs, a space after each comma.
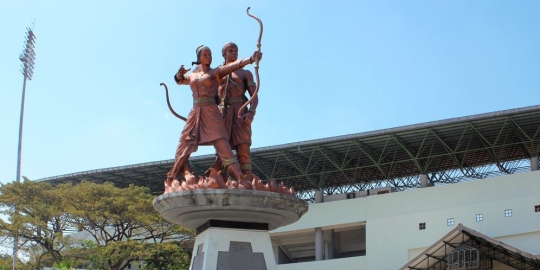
{"points": [[455, 120]]}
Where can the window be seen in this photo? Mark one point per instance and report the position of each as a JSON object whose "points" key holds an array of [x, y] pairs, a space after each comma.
{"points": [[508, 212], [537, 208], [479, 217], [450, 222], [422, 226]]}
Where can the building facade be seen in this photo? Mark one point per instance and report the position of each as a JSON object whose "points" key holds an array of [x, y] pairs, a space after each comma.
{"points": [[386, 231]]}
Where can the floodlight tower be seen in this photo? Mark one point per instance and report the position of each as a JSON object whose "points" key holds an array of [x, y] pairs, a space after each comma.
{"points": [[27, 58]]}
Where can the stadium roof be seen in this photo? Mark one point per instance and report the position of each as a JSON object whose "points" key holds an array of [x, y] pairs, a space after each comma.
{"points": [[451, 150]]}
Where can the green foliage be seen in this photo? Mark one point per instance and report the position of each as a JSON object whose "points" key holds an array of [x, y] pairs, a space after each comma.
{"points": [[168, 255], [121, 223], [6, 263], [63, 265], [35, 214]]}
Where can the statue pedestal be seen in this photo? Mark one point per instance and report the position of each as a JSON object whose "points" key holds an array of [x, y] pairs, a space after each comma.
{"points": [[230, 249], [231, 224]]}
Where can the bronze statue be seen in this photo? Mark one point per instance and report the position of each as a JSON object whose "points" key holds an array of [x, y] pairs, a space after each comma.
{"points": [[232, 90], [226, 127], [204, 124]]}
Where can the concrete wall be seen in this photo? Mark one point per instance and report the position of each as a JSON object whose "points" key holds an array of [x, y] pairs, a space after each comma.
{"points": [[345, 263], [392, 234]]}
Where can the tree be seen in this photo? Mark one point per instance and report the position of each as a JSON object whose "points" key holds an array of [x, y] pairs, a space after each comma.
{"points": [[64, 265], [169, 255], [120, 223], [6, 263], [35, 213]]}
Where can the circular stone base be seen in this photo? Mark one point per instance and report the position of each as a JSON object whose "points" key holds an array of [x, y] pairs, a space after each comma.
{"points": [[192, 208]]}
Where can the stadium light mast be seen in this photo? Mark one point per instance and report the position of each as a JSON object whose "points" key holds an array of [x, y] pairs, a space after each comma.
{"points": [[27, 58]]}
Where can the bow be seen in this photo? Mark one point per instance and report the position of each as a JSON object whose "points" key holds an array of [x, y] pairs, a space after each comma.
{"points": [[169, 103], [256, 63]]}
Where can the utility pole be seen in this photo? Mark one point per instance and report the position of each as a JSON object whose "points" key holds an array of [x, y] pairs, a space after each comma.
{"points": [[27, 58]]}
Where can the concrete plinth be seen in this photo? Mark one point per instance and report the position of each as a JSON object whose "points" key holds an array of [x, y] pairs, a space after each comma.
{"points": [[231, 224], [231, 249], [192, 208]]}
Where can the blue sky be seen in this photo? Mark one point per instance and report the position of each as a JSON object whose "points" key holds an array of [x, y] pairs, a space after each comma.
{"points": [[330, 68]]}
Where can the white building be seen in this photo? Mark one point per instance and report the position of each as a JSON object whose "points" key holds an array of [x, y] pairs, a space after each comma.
{"points": [[388, 231]]}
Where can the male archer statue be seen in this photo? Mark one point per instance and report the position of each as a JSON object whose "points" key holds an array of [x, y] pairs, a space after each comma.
{"points": [[232, 91]]}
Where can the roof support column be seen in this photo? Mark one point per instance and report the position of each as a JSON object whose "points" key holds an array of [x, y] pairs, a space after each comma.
{"points": [[319, 244], [424, 181], [330, 245], [319, 241], [318, 196], [534, 164]]}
